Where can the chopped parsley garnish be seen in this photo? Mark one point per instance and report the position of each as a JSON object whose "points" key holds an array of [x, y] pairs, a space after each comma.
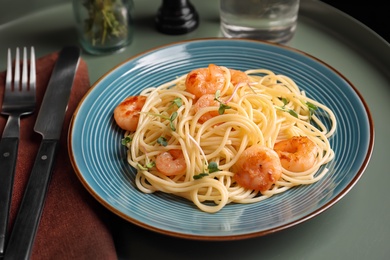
{"points": [[200, 175], [178, 102], [285, 109], [212, 167], [146, 166], [126, 140], [222, 105], [171, 119], [312, 109], [162, 140], [175, 102]]}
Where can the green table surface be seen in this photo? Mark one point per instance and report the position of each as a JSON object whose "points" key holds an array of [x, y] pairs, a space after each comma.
{"points": [[356, 227]]}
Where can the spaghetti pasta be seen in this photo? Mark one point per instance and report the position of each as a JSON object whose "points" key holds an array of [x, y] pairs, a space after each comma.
{"points": [[210, 136]]}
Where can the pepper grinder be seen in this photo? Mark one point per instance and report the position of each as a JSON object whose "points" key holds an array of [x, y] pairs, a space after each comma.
{"points": [[176, 17]]}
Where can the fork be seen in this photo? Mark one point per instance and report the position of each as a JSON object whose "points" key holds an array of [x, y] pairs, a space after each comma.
{"points": [[19, 99]]}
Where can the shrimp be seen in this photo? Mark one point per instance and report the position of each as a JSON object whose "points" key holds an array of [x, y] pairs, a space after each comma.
{"points": [[207, 100], [171, 162], [297, 154], [205, 80], [126, 114], [258, 168], [237, 76]]}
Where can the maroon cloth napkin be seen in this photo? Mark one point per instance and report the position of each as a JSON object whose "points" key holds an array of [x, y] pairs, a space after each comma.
{"points": [[73, 224]]}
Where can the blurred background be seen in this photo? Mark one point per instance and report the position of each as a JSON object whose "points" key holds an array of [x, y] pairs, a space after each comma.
{"points": [[373, 14]]}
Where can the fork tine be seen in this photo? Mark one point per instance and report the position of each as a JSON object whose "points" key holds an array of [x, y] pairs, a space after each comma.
{"points": [[8, 81], [17, 70], [24, 70], [32, 69]]}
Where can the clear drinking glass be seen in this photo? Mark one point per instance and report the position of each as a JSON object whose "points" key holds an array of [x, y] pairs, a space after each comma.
{"points": [[269, 20]]}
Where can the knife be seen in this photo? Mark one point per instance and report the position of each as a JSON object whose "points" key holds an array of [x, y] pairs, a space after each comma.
{"points": [[49, 124]]}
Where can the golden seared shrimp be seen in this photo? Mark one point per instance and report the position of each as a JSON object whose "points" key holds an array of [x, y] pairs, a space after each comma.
{"points": [[171, 162], [205, 80], [237, 76], [258, 168], [297, 154], [207, 100], [126, 114]]}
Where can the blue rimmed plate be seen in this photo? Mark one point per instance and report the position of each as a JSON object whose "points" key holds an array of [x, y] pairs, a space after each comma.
{"points": [[99, 159]]}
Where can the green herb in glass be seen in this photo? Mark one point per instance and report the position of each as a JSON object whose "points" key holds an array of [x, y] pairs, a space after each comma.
{"points": [[105, 21]]}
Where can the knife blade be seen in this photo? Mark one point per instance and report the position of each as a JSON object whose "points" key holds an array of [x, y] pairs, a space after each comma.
{"points": [[49, 124]]}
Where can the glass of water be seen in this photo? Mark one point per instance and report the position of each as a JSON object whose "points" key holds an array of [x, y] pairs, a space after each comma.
{"points": [[268, 20]]}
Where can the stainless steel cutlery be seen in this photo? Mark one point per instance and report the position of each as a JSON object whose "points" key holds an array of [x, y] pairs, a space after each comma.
{"points": [[49, 124], [19, 100]]}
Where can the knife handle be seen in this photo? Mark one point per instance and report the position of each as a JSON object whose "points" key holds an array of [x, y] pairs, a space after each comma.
{"points": [[8, 155], [27, 220]]}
